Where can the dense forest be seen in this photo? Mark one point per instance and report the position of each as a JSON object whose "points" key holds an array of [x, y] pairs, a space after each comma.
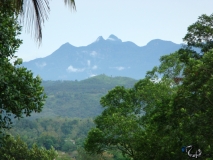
{"points": [[66, 135], [68, 115], [78, 99]]}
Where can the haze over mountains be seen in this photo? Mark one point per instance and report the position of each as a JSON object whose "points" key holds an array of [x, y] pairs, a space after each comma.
{"points": [[108, 56]]}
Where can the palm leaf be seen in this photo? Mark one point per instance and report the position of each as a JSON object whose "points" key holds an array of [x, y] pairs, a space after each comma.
{"points": [[33, 14], [70, 3]]}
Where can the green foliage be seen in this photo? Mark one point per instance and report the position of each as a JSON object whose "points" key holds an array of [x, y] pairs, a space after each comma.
{"points": [[194, 103], [122, 124], [190, 115], [78, 99], [200, 33], [20, 93], [176, 98], [48, 132], [9, 29], [16, 149], [82, 155], [46, 141], [171, 66]]}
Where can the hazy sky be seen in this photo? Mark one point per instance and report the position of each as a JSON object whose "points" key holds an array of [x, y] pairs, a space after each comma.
{"points": [[138, 21]]}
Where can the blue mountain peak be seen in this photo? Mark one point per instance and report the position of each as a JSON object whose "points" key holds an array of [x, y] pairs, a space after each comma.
{"points": [[100, 38], [113, 38], [158, 42]]}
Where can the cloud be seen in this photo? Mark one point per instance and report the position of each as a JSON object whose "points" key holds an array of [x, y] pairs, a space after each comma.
{"points": [[93, 75], [41, 65], [88, 62], [120, 68], [93, 53], [72, 69], [94, 67], [111, 39]]}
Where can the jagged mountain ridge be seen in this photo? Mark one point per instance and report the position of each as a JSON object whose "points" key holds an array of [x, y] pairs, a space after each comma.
{"points": [[111, 57]]}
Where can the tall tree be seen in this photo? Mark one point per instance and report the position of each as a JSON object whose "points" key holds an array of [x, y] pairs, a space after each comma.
{"points": [[20, 92], [200, 34], [123, 126], [192, 105]]}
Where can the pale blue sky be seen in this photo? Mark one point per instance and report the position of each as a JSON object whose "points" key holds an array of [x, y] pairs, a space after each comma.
{"points": [[138, 21]]}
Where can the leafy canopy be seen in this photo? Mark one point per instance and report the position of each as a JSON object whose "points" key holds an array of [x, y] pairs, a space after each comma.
{"points": [[176, 98], [20, 92], [16, 149]]}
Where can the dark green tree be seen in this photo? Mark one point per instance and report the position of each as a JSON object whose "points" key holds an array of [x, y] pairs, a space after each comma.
{"points": [[200, 34], [192, 103], [20, 92], [82, 155], [123, 125], [177, 100]]}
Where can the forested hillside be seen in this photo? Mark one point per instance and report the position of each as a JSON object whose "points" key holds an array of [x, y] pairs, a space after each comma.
{"points": [[67, 115], [78, 98], [66, 135]]}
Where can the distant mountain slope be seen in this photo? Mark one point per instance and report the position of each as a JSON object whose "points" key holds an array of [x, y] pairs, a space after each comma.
{"points": [[110, 56], [79, 98]]}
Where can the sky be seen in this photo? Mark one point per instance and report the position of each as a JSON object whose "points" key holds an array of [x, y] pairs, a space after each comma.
{"points": [[139, 21]]}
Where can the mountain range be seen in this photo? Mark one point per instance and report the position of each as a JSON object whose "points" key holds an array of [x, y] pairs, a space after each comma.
{"points": [[110, 56]]}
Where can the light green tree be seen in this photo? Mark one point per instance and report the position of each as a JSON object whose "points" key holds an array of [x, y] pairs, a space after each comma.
{"points": [[15, 149]]}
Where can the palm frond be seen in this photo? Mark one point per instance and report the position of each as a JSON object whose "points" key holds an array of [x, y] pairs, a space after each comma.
{"points": [[70, 3], [35, 12]]}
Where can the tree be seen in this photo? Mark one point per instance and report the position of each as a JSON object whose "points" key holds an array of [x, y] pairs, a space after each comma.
{"points": [[16, 149], [199, 37], [200, 34], [192, 105], [20, 92], [177, 107], [35, 12], [82, 155], [123, 126]]}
